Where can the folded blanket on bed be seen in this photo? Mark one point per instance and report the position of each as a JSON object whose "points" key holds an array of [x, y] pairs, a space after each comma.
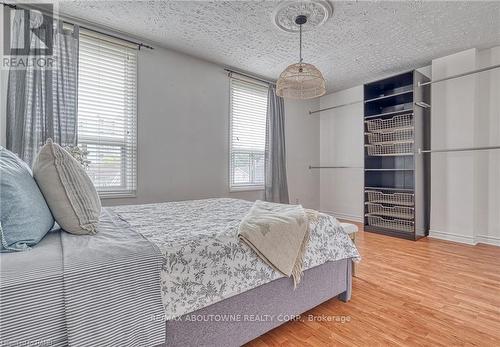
{"points": [[279, 234]]}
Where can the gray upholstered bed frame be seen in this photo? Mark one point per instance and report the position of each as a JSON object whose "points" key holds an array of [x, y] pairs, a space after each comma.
{"points": [[242, 318]]}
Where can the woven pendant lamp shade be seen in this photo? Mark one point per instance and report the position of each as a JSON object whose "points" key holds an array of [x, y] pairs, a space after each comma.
{"points": [[301, 81]]}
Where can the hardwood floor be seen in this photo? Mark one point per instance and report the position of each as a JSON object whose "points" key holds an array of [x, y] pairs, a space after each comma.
{"points": [[407, 293]]}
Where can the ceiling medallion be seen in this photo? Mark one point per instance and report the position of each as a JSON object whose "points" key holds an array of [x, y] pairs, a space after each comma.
{"points": [[316, 11]]}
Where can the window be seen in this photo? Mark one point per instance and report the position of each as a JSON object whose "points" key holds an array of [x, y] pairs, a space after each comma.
{"points": [[107, 120], [248, 135]]}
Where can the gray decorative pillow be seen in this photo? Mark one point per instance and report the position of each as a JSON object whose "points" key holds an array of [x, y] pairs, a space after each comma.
{"points": [[68, 190]]}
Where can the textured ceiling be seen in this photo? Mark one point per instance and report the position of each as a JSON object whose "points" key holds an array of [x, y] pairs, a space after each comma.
{"points": [[361, 42]]}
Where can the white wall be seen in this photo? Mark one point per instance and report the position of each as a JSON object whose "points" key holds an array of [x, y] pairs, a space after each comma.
{"points": [[466, 113], [488, 210], [452, 125], [302, 150], [183, 124], [341, 144]]}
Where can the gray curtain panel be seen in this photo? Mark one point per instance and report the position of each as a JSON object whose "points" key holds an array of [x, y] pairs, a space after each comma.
{"points": [[42, 103], [275, 163]]}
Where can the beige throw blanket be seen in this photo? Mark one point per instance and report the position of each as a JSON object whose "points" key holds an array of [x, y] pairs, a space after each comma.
{"points": [[279, 234]]}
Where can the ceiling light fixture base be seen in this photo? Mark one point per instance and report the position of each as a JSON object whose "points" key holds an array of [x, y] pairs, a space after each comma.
{"points": [[301, 19]]}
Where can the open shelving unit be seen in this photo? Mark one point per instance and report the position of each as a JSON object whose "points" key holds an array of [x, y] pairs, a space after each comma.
{"points": [[397, 192]]}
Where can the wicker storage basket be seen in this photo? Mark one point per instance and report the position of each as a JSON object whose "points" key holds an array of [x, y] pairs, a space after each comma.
{"points": [[392, 211], [404, 199], [400, 122], [397, 136], [395, 224], [393, 149]]}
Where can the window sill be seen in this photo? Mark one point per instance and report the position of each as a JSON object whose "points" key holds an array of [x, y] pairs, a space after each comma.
{"points": [[104, 195], [246, 189]]}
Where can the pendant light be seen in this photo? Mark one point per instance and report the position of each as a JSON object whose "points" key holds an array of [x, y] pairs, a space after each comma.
{"points": [[301, 80]]}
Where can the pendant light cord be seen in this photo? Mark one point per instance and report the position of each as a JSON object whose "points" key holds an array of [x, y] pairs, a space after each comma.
{"points": [[300, 43]]}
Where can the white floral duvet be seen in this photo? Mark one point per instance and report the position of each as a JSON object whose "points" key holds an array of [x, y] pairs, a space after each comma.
{"points": [[204, 262]]}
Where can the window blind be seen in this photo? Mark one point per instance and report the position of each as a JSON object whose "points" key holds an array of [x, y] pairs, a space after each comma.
{"points": [[248, 134], [107, 119]]}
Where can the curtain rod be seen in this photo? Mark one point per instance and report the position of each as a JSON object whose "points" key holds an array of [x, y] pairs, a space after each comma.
{"points": [[460, 75], [66, 21], [249, 76]]}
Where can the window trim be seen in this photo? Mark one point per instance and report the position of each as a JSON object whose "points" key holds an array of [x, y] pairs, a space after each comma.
{"points": [[242, 187], [251, 188], [122, 193]]}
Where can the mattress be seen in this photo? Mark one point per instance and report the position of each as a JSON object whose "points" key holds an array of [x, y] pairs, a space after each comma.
{"points": [[204, 262]]}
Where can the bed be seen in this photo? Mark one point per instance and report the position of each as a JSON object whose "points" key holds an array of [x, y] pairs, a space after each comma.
{"points": [[169, 274]]}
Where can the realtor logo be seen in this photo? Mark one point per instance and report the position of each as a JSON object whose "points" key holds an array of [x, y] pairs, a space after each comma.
{"points": [[28, 36], [28, 31]]}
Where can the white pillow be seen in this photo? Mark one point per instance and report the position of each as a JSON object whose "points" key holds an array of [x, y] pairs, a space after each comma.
{"points": [[68, 190]]}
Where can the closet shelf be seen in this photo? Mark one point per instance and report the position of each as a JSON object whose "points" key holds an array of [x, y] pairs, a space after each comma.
{"points": [[389, 170], [391, 113], [384, 97], [390, 189], [394, 127], [391, 155]]}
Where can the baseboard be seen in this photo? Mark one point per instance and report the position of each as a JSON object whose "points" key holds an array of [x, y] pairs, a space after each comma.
{"points": [[441, 235], [489, 240], [346, 216]]}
